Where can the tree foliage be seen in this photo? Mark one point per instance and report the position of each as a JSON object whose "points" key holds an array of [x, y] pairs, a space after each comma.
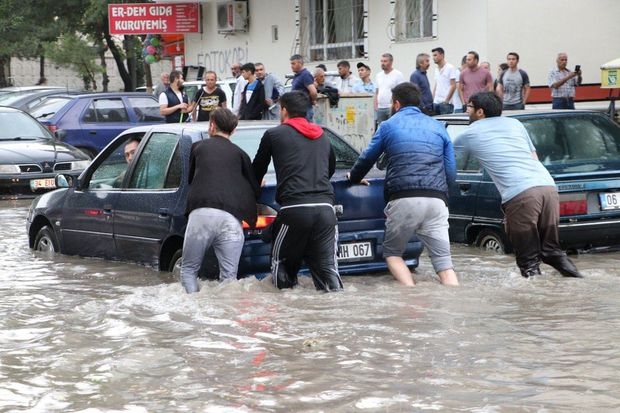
{"points": [[33, 28]]}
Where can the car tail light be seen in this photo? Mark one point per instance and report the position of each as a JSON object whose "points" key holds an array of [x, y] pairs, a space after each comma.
{"points": [[573, 204], [266, 215]]}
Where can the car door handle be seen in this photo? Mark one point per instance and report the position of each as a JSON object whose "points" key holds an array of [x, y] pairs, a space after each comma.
{"points": [[163, 212], [107, 209], [92, 132], [465, 187]]}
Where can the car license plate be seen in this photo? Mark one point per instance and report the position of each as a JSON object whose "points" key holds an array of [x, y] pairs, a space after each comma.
{"points": [[43, 183], [354, 251], [609, 200]]}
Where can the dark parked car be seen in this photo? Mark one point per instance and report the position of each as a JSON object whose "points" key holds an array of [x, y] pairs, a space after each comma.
{"points": [[30, 157], [581, 150], [90, 121], [135, 212], [28, 98]]}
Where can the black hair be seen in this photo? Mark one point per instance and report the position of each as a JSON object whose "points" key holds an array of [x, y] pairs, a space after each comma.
{"points": [[296, 103], [475, 54], [248, 67], [224, 120], [515, 54], [407, 94], [489, 102], [344, 63], [174, 75], [438, 50]]}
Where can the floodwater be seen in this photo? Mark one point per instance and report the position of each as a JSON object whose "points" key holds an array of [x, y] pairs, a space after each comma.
{"points": [[86, 335]]}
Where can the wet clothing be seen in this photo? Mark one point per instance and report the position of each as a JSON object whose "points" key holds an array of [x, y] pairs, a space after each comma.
{"points": [[530, 200], [210, 227], [306, 226], [306, 233], [429, 147], [420, 167], [222, 193]]}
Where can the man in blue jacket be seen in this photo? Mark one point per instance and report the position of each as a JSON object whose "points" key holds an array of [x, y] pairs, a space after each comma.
{"points": [[420, 166]]}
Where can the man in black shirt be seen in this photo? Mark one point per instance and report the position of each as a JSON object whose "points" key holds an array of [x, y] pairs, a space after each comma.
{"points": [[222, 194], [306, 226]]}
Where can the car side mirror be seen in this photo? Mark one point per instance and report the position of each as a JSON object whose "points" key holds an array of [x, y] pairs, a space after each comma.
{"points": [[64, 181], [60, 134]]}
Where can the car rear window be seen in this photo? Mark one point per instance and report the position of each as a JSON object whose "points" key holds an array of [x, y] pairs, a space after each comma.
{"points": [[48, 107], [575, 143]]}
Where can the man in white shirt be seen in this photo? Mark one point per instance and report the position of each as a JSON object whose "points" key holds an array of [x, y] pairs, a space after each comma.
{"points": [[345, 80], [241, 82], [385, 80], [445, 95]]}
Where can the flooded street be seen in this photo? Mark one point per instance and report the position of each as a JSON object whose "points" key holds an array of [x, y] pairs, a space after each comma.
{"points": [[86, 335]]}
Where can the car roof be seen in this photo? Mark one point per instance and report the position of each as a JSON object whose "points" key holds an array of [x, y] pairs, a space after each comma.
{"points": [[9, 109], [25, 88], [464, 118], [202, 126]]}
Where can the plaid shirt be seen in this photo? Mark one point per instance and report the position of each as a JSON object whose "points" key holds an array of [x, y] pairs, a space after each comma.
{"points": [[567, 90]]}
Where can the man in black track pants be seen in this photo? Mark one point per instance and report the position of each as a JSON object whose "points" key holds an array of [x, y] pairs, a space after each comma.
{"points": [[306, 226]]}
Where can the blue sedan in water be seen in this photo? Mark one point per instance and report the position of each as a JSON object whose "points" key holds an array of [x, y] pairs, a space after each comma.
{"points": [[135, 212]]}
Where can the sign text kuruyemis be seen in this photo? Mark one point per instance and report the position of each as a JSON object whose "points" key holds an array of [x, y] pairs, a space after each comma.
{"points": [[150, 18]]}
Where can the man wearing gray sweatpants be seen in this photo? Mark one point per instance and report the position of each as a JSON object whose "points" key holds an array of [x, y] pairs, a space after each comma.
{"points": [[222, 194]]}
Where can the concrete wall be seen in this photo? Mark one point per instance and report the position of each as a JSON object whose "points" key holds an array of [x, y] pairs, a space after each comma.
{"points": [[353, 119]]}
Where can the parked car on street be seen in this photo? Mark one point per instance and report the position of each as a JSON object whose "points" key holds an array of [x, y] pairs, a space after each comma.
{"points": [[90, 121], [28, 98], [30, 157], [581, 150], [136, 212]]}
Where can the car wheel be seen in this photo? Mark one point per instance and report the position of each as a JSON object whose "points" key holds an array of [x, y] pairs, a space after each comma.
{"points": [[490, 240], [175, 264], [45, 240]]}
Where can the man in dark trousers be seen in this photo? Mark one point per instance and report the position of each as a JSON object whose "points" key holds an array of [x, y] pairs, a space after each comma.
{"points": [[306, 226], [222, 194]]}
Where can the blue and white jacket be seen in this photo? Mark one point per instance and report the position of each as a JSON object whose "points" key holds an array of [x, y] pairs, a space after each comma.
{"points": [[419, 153]]}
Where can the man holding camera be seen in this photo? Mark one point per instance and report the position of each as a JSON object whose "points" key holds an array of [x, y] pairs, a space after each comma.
{"points": [[562, 83]]}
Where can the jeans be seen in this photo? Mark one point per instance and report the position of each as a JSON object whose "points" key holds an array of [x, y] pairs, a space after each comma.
{"points": [[443, 108], [208, 227], [562, 103], [516, 106]]}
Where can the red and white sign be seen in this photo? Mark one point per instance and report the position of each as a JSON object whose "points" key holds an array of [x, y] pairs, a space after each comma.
{"points": [[151, 18]]}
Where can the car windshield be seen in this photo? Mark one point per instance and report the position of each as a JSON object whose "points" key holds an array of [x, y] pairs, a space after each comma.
{"points": [[249, 139], [19, 126], [577, 142], [48, 107]]}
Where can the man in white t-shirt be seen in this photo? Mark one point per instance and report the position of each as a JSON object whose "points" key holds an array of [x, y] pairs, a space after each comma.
{"points": [[241, 82], [445, 95], [385, 80]]}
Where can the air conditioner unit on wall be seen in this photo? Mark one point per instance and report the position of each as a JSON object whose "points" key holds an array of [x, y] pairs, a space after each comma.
{"points": [[232, 16]]}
